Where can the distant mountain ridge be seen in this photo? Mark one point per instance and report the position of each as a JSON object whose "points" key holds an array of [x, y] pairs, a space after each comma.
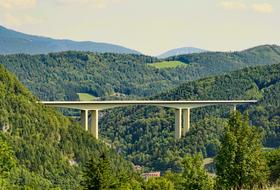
{"points": [[60, 76], [180, 51], [12, 42]]}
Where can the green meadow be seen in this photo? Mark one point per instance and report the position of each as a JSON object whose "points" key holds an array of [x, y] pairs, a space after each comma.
{"points": [[85, 97], [167, 64]]}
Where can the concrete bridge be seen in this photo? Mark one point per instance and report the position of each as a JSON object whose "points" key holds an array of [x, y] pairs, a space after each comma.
{"points": [[182, 110]]}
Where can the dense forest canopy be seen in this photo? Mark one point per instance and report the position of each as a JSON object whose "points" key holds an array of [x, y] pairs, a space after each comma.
{"points": [[60, 76], [145, 135], [47, 149]]}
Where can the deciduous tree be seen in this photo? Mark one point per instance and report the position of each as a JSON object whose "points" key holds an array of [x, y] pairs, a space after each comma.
{"points": [[239, 162]]}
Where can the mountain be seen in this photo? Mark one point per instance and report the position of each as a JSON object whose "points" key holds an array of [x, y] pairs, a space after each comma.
{"points": [[12, 42], [180, 51], [60, 76], [50, 150], [260, 55], [145, 135]]}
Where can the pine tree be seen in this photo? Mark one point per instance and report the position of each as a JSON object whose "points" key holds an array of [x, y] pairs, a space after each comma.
{"points": [[98, 174], [240, 162]]}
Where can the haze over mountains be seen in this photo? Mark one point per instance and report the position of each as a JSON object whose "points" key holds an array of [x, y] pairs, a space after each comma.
{"points": [[180, 51], [16, 42], [12, 42]]}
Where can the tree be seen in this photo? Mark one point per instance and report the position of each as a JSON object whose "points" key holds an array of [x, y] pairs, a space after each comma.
{"points": [[160, 183], [240, 162], [98, 174], [273, 161], [7, 160], [193, 175]]}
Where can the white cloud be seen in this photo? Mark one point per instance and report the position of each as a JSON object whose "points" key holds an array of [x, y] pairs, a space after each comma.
{"points": [[93, 3], [233, 5], [17, 4], [262, 7], [13, 21]]}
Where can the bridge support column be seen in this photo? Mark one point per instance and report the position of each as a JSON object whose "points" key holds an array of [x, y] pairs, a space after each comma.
{"points": [[94, 123], [178, 123], [234, 107], [186, 121], [84, 119]]}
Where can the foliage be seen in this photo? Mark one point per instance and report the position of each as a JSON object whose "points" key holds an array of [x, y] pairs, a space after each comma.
{"points": [[193, 175], [145, 135], [98, 174], [50, 150], [273, 161], [7, 160], [59, 76], [239, 162], [159, 183]]}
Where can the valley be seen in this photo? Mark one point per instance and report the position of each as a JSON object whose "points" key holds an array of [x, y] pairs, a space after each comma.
{"points": [[50, 150], [139, 95]]}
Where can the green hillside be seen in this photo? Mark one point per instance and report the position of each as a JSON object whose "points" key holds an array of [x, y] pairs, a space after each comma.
{"points": [[50, 150], [167, 64], [60, 76], [260, 55], [145, 134]]}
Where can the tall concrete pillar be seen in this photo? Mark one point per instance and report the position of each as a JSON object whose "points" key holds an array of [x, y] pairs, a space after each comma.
{"points": [[186, 120], [84, 119], [234, 107], [94, 123], [178, 123]]}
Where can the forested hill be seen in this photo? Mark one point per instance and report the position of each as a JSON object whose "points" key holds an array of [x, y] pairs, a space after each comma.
{"points": [[146, 134], [260, 55], [48, 149], [16, 42], [59, 76]]}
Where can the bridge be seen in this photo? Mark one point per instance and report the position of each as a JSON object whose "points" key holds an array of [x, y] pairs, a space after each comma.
{"points": [[182, 110]]}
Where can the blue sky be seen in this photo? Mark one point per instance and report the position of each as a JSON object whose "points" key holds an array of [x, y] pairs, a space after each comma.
{"points": [[150, 26]]}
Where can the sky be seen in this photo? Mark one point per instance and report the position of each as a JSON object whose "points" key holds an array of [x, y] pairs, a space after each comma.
{"points": [[149, 26]]}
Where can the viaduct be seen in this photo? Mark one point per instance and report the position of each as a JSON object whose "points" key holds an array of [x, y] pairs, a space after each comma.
{"points": [[182, 110]]}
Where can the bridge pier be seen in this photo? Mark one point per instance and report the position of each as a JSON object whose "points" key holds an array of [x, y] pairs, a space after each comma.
{"points": [[182, 122], [182, 110], [94, 123], [234, 107], [91, 124], [178, 123], [84, 119], [186, 120]]}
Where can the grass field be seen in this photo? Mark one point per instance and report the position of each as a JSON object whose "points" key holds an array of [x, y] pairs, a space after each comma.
{"points": [[85, 97], [167, 64]]}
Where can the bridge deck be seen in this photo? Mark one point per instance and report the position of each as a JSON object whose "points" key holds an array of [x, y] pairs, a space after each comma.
{"points": [[182, 110], [172, 104]]}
